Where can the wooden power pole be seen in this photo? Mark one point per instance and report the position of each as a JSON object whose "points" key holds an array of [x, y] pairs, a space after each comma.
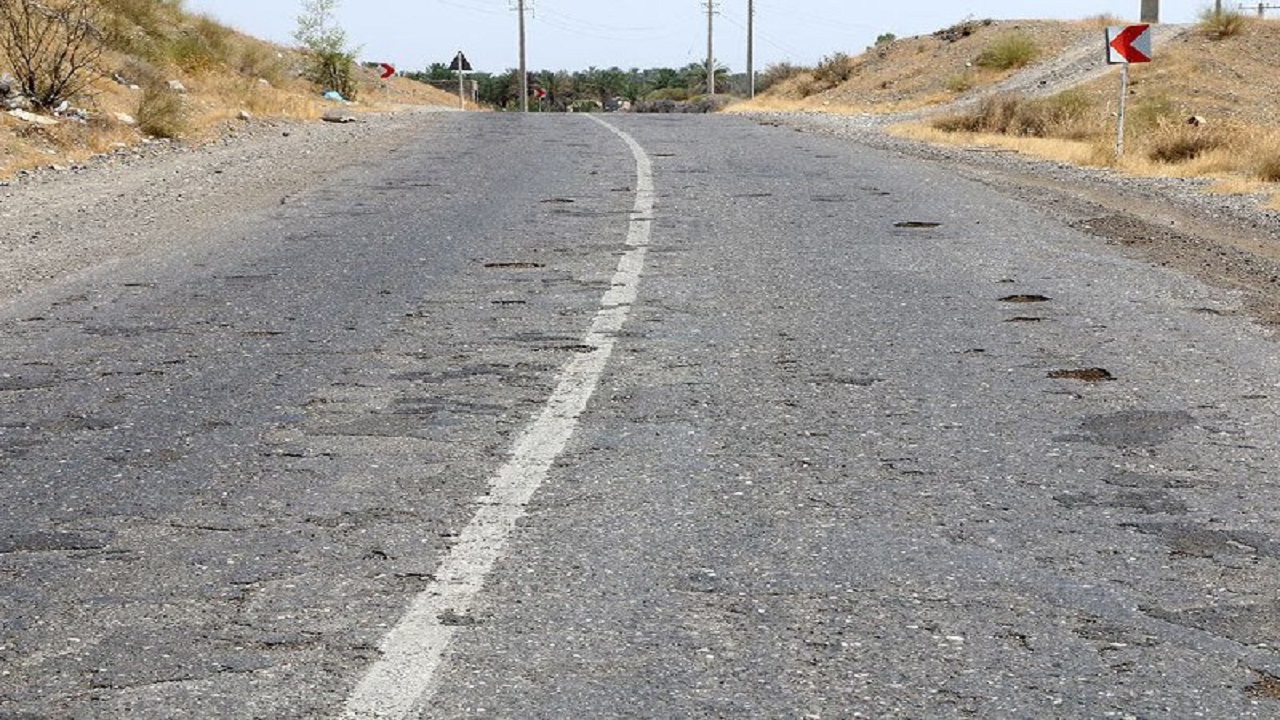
{"points": [[711, 47], [524, 71], [1151, 11], [751, 47]]}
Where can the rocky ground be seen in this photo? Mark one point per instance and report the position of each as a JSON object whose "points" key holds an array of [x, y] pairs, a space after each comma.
{"points": [[57, 223]]}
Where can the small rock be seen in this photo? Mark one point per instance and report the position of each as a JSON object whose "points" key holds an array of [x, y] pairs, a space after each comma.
{"points": [[264, 82], [125, 118], [245, 115], [177, 86], [337, 116], [32, 117]]}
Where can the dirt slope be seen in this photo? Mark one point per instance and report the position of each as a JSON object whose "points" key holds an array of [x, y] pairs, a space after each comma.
{"points": [[1193, 73]]}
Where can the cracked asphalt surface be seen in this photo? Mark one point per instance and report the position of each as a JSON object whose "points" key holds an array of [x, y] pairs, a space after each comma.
{"points": [[832, 470]]}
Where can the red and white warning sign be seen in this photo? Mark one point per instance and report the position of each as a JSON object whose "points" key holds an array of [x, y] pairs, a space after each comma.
{"points": [[1129, 44]]}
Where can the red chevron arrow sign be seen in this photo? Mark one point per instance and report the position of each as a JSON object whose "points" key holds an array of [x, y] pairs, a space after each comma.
{"points": [[388, 70], [1131, 44]]}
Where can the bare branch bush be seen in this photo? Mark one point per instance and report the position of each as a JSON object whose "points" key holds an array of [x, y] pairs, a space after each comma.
{"points": [[53, 47]]}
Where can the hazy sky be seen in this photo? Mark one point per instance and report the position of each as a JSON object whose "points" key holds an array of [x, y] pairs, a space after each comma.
{"points": [[577, 34]]}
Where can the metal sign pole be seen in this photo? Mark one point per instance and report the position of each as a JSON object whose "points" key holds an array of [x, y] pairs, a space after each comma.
{"points": [[462, 98], [1124, 101]]}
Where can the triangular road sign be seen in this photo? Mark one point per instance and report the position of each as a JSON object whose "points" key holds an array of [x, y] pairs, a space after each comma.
{"points": [[460, 63]]}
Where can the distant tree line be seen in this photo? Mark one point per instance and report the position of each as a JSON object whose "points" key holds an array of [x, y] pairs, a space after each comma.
{"points": [[592, 89]]}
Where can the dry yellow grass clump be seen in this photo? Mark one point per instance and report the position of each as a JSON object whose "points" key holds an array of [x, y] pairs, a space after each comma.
{"points": [[220, 75]]}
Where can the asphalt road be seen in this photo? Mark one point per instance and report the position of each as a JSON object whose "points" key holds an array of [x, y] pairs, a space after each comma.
{"points": [[828, 432]]}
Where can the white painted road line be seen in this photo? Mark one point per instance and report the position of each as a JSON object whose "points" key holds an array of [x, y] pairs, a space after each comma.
{"points": [[413, 651]]}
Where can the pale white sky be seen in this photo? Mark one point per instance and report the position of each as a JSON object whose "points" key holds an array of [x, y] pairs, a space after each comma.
{"points": [[577, 34]]}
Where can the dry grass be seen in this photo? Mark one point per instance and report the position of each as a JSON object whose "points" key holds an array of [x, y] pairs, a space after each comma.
{"points": [[1222, 25], [1069, 115], [1101, 22], [1010, 51], [1093, 153]]}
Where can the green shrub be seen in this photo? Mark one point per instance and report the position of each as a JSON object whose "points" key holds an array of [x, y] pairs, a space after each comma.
{"points": [[960, 82], [262, 61], [1152, 112], [204, 46], [778, 73], [1222, 25], [1008, 52], [139, 27], [161, 112], [834, 69], [672, 93]]}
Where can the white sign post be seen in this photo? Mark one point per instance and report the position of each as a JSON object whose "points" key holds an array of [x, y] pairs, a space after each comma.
{"points": [[1126, 45], [462, 66]]}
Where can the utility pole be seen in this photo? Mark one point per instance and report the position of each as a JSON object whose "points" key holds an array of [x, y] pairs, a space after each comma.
{"points": [[524, 71], [751, 47], [711, 56], [1151, 10]]}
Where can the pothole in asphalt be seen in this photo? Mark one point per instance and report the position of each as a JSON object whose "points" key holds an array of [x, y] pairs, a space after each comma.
{"points": [[510, 302], [1025, 319], [1025, 299], [1267, 687], [917, 225], [1083, 374], [452, 618], [1136, 428], [559, 200], [53, 542], [514, 265]]}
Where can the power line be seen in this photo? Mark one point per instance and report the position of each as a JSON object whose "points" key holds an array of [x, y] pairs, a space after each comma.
{"points": [[766, 37]]}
